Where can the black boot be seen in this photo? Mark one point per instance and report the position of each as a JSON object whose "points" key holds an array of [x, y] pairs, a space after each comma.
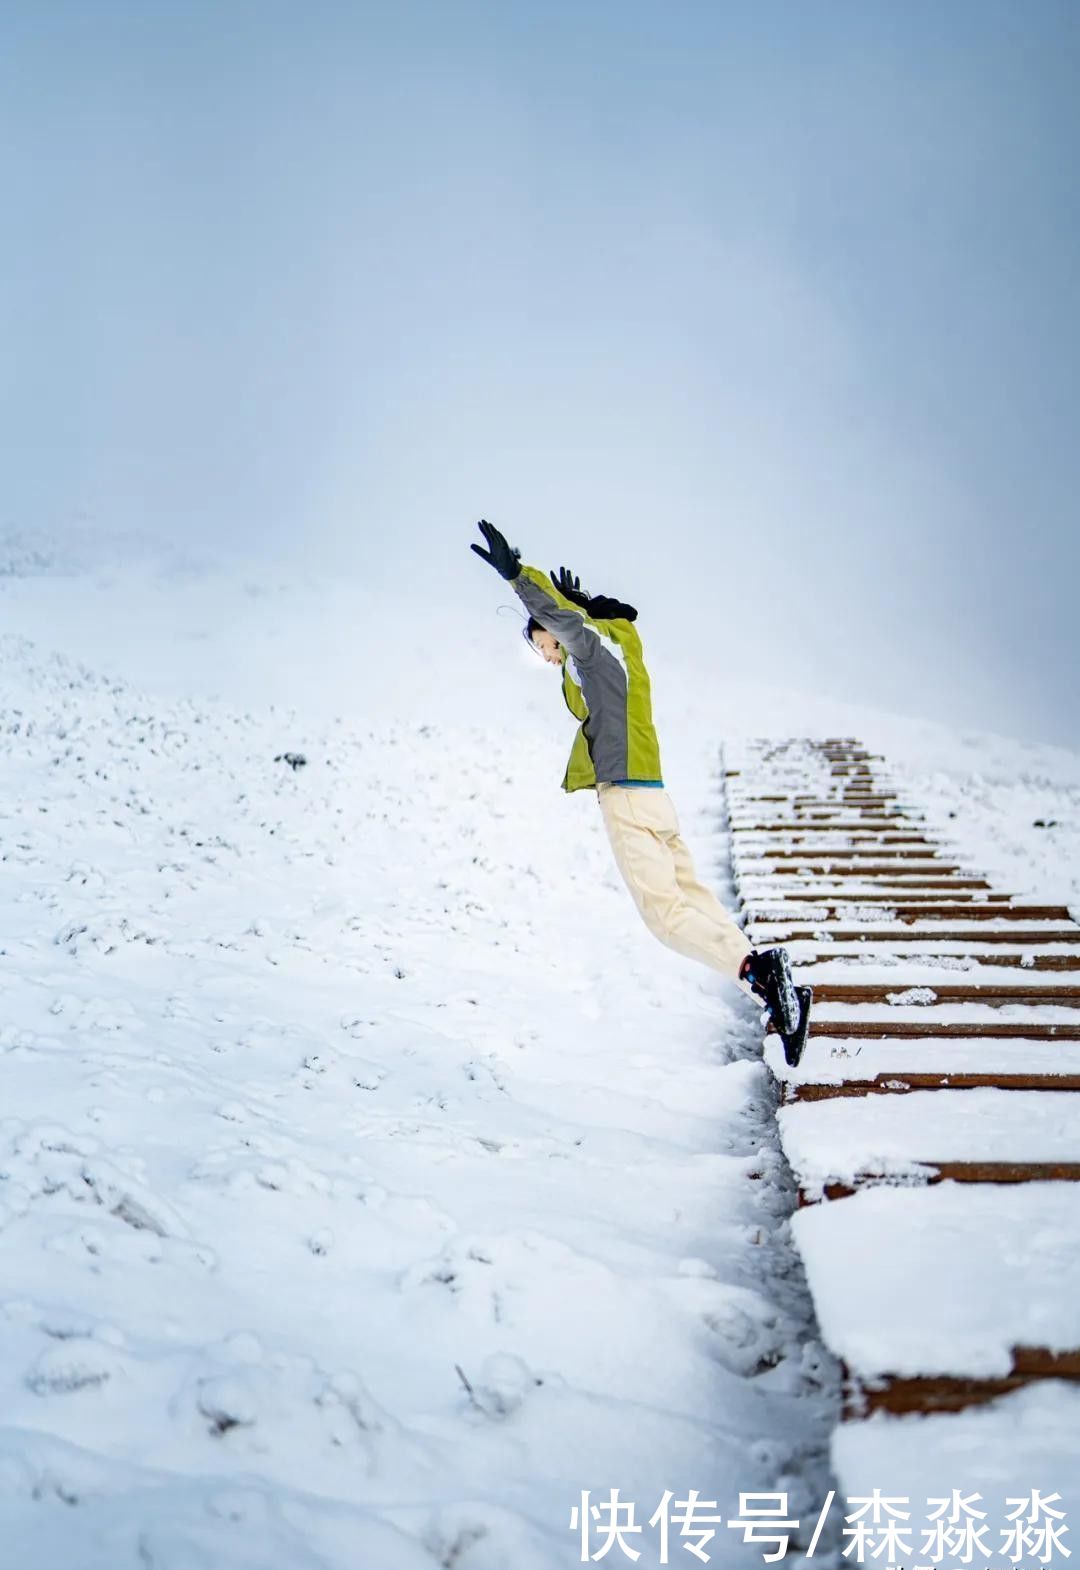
{"points": [[769, 973], [796, 1040]]}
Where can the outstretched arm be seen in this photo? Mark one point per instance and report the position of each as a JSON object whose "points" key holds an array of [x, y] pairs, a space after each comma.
{"points": [[551, 608], [554, 611]]}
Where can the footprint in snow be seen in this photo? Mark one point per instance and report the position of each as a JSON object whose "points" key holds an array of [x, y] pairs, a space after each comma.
{"points": [[743, 1344], [73, 1364], [474, 1536]]}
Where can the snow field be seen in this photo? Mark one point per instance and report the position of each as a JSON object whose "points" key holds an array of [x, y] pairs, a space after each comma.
{"points": [[370, 1182], [321, 1086]]}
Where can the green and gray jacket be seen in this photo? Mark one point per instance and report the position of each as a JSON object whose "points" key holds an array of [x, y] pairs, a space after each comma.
{"points": [[611, 695]]}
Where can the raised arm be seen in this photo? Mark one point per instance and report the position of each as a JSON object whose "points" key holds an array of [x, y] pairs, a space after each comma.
{"points": [[555, 612], [551, 608]]}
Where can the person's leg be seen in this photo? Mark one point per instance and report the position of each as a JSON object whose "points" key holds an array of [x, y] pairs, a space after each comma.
{"points": [[644, 835], [702, 898], [771, 982]]}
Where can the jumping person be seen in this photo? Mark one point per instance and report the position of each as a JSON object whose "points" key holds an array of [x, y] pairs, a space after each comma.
{"points": [[616, 753]]}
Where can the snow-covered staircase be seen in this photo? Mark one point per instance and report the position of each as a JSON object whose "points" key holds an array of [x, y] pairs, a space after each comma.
{"points": [[936, 1099]]}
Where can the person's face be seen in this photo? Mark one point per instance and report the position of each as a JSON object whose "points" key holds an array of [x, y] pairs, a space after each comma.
{"points": [[549, 646]]}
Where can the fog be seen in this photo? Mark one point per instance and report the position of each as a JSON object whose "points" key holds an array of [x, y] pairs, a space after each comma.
{"points": [[764, 317]]}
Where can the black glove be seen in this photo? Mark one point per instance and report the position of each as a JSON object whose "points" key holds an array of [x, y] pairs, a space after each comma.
{"points": [[569, 586], [504, 558], [601, 607]]}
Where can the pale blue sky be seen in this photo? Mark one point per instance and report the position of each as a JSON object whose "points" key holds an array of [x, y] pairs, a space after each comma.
{"points": [[719, 302]]}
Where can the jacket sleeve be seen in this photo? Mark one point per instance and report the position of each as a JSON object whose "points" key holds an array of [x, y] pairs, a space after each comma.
{"points": [[560, 616]]}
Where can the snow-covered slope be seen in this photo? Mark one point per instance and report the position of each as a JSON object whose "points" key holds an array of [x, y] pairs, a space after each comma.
{"points": [[371, 1182]]}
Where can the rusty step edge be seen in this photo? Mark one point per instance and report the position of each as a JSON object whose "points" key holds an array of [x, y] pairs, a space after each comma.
{"points": [[847, 802], [903, 847], [758, 895], [847, 863], [817, 826], [892, 934], [834, 814], [916, 1030], [860, 787], [820, 892], [1035, 962], [852, 774], [892, 880], [947, 1171], [899, 1084], [893, 898], [842, 793], [889, 853], [827, 818], [952, 1393], [913, 871], [946, 992], [799, 839], [856, 836], [811, 812], [933, 910], [816, 811]]}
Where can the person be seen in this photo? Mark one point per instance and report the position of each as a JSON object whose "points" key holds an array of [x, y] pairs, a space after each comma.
{"points": [[616, 753]]}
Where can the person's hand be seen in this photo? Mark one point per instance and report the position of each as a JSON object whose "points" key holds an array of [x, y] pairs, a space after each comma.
{"points": [[569, 586], [504, 558], [603, 608]]}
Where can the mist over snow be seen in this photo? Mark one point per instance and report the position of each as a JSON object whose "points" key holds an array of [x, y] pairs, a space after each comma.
{"points": [[766, 316]]}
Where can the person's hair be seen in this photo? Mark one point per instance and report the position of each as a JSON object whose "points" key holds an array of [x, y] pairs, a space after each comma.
{"points": [[531, 626]]}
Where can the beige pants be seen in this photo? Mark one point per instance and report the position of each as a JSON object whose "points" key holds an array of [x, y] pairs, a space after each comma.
{"points": [[653, 859]]}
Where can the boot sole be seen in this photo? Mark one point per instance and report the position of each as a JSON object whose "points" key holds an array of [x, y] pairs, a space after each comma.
{"points": [[787, 1000], [795, 1042]]}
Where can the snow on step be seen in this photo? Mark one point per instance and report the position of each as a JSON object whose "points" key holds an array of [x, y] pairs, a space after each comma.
{"points": [[865, 968], [880, 1263], [877, 923], [944, 889], [933, 1283], [837, 1140], [919, 1006], [1027, 1439], [780, 855], [836, 1059]]}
